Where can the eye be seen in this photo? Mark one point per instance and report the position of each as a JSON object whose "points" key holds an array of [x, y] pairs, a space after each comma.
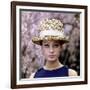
{"points": [[46, 45], [56, 45]]}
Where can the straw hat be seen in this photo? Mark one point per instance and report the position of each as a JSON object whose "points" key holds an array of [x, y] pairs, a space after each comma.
{"points": [[50, 29]]}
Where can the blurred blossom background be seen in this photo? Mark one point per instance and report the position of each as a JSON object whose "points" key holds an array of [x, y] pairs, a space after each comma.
{"points": [[31, 57]]}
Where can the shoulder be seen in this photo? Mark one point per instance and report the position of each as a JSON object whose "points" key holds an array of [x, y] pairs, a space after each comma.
{"points": [[72, 72], [32, 75], [35, 73]]}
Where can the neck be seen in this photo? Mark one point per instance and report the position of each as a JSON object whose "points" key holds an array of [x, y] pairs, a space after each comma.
{"points": [[51, 65]]}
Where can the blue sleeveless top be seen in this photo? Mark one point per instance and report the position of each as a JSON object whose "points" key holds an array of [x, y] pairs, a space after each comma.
{"points": [[60, 72]]}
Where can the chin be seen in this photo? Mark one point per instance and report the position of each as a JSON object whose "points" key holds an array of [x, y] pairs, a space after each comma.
{"points": [[51, 59]]}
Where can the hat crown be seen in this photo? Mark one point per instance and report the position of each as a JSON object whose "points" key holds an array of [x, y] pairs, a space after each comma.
{"points": [[50, 29], [48, 24]]}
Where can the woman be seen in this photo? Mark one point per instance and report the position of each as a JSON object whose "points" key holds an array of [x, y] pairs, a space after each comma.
{"points": [[51, 39]]}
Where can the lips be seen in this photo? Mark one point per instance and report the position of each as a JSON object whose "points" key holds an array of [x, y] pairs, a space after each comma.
{"points": [[51, 56]]}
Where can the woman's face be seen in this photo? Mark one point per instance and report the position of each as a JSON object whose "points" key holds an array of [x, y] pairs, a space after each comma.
{"points": [[51, 50]]}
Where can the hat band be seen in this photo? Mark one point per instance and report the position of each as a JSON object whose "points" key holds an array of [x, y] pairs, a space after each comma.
{"points": [[51, 32]]}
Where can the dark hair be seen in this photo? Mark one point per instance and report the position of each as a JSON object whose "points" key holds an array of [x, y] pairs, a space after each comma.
{"points": [[60, 41]]}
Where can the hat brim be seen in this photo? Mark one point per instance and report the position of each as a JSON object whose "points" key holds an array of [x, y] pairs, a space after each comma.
{"points": [[38, 40]]}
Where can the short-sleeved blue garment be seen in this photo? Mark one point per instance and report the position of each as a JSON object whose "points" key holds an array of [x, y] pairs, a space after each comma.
{"points": [[60, 72]]}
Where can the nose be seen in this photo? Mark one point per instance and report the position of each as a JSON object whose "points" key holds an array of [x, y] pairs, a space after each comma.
{"points": [[51, 49]]}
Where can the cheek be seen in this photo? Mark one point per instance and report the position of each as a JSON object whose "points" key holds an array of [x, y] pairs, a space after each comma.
{"points": [[44, 52], [58, 51]]}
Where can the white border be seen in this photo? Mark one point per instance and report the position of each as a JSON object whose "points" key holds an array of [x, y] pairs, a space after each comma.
{"points": [[50, 80]]}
